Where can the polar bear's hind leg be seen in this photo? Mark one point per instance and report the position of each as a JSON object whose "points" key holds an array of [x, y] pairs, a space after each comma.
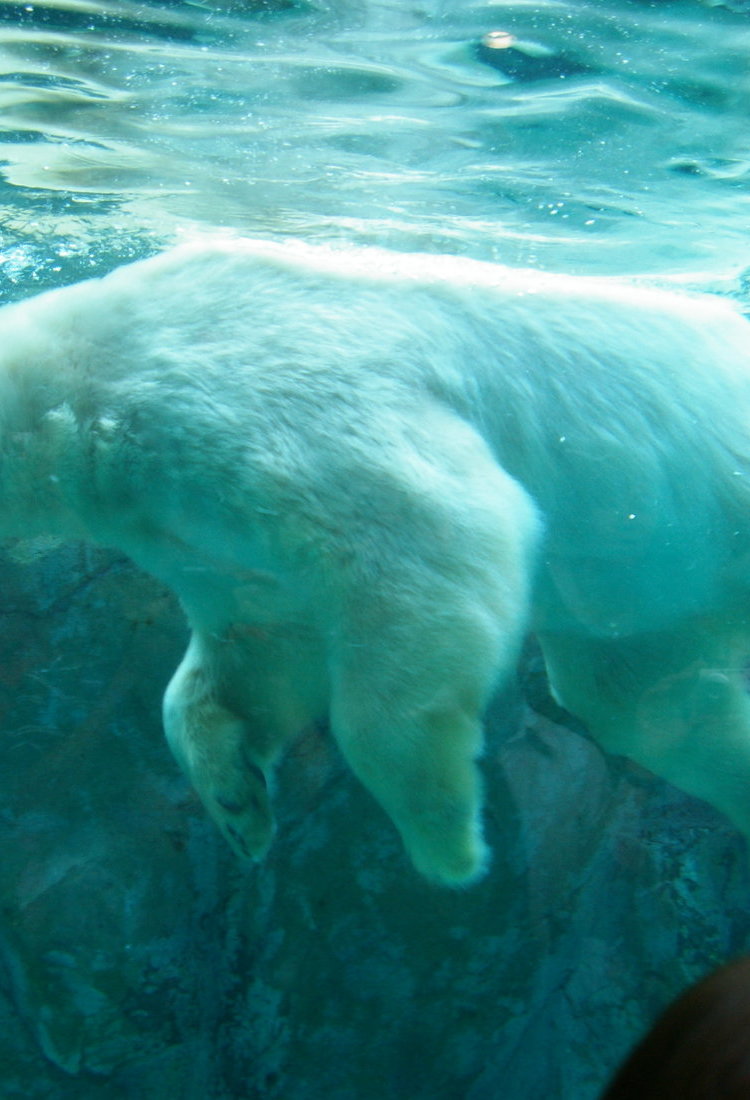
{"points": [[676, 703]]}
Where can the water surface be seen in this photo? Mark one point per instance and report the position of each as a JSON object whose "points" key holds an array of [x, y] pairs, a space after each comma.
{"points": [[611, 137]]}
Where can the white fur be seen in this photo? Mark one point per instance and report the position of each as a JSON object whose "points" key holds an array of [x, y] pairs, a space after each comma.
{"points": [[367, 474]]}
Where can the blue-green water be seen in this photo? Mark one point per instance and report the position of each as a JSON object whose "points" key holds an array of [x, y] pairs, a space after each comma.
{"points": [[136, 959], [616, 139]]}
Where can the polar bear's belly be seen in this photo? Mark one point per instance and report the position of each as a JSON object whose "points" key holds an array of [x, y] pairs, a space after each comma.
{"points": [[603, 598]]}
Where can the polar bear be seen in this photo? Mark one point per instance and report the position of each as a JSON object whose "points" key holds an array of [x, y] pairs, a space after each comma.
{"points": [[367, 475]]}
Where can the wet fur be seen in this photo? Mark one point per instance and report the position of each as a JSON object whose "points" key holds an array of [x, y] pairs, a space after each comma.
{"points": [[367, 475]]}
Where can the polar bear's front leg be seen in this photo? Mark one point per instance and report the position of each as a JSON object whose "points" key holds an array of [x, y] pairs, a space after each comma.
{"points": [[417, 756], [214, 748], [411, 675]]}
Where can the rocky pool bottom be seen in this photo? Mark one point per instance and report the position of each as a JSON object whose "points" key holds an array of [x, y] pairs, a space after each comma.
{"points": [[138, 960]]}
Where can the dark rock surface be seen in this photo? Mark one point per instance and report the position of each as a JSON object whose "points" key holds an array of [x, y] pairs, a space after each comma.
{"points": [[137, 960]]}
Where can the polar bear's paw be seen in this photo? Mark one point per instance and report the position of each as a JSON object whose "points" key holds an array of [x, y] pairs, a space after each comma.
{"points": [[237, 800], [419, 763], [213, 746], [456, 856]]}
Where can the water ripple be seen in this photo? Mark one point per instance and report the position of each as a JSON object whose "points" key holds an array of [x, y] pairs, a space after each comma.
{"points": [[536, 132]]}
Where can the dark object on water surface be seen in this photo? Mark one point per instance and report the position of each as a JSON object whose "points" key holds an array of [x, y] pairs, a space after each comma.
{"points": [[523, 60]]}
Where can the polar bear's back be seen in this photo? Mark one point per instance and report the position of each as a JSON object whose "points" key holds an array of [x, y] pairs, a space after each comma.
{"points": [[624, 412], [463, 329], [589, 385]]}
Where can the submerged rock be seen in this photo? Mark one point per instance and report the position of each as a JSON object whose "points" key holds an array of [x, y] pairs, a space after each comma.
{"points": [[138, 960]]}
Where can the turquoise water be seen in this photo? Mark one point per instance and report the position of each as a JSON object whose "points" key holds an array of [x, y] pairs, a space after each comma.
{"points": [[613, 137], [137, 959]]}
